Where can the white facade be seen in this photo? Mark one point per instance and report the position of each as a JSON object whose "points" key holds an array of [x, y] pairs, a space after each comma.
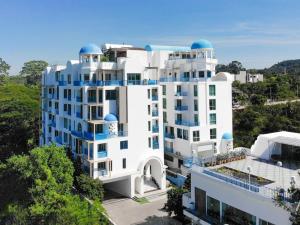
{"points": [[244, 77], [108, 112], [215, 194]]}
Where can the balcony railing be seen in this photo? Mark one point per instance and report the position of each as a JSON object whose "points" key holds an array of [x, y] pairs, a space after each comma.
{"points": [[154, 98], [181, 107], [181, 93], [79, 115], [62, 83], [154, 112], [102, 172], [92, 99], [101, 136], [155, 145], [76, 133], [169, 135], [69, 98], [155, 128], [167, 79], [114, 82], [53, 124], [169, 149], [102, 154], [78, 99], [186, 123], [57, 111], [58, 140]]}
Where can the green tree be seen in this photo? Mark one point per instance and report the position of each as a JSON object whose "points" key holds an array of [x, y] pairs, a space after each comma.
{"points": [[4, 68], [32, 70], [44, 191], [234, 67], [89, 187], [174, 202], [19, 119]]}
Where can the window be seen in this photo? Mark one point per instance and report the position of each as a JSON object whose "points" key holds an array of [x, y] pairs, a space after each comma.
{"points": [[149, 142], [164, 90], [196, 105], [232, 215], [263, 222], [195, 90], [178, 89], [185, 134], [164, 103], [212, 118], [149, 94], [179, 133], [193, 74], [212, 104], [123, 144], [212, 90], [65, 137], [149, 109], [196, 119], [213, 209], [101, 147], [69, 78], [86, 77], [65, 123], [196, 135], [101, 166], [201, 74], [179, 117], [65, 93], [208, 73], [165, 117], [186, 74], [213, 133], [111, 95], [133, 76], [124, 163]]}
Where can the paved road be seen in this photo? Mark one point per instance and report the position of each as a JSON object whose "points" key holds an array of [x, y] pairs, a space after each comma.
{"points": [[125, 211], [270, 103]]}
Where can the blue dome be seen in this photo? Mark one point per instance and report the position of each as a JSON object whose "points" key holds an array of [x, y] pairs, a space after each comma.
{"points": [[201, 44], [110, 118], [227, 136], [90, 49]]}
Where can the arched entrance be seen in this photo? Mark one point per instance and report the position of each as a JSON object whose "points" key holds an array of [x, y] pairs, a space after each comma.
{"points": [[152, 176]]}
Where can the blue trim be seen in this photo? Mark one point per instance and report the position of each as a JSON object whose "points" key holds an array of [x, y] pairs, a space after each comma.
{"points": [[150, 48]]}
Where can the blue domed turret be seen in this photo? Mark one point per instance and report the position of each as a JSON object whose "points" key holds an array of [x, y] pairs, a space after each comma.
{"points": [[90, 49], [227, 136], [202, 44], [110, 118]]}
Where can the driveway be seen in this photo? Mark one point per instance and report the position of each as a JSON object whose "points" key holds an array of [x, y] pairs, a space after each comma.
{"points": [[125, 211]]}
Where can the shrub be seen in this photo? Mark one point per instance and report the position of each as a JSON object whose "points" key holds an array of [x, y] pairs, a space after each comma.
{"points": [[89, 187]]}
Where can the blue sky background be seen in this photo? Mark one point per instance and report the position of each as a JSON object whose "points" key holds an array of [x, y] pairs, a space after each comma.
{"points": [[258, 33]]}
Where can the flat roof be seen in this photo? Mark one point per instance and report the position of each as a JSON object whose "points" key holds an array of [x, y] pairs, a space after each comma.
{"points": [[283, 137], [281, 176]]}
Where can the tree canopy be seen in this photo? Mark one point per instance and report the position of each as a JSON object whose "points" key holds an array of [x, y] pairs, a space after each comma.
{"points": [[43, 194], [234, 67], [32, 70]]}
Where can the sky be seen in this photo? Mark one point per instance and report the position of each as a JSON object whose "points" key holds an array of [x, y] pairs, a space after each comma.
{"points": [[257, 33]]}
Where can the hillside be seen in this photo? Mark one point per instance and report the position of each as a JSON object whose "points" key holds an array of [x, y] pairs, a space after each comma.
{"points": [[288, 66]]}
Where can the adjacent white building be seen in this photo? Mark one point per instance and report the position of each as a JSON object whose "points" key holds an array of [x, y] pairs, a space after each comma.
{"points": [[243, 191], [244, 77]]}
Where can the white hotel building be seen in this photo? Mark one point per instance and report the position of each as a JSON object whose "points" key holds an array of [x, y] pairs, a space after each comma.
{"points": [[219, 197], [115, 113]]}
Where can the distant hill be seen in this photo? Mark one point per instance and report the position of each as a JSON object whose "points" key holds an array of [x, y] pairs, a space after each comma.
{"points": [[287, 66]]}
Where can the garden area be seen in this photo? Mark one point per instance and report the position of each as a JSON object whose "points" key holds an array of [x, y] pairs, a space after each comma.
{"points": [[255, 180]]}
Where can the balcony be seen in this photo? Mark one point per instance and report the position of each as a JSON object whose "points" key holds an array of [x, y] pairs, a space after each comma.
{"points": [[76, 133], [79, 115], [167, 79], [102, 136], [169, 135], [155, 112], [181, 94], [181, 108], [78, 99], [102, 154], [91, 99], [155, 129], [155, 145], [58, 140], [101, 172], [186, 123], [169, 149], [62, 83], [154, 98]]}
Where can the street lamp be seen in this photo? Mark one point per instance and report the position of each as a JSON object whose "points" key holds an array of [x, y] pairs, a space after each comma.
{"points": [[249, 177]]}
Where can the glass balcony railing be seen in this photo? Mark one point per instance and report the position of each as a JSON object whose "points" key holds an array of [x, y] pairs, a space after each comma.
{"points": [[57, 111], [169, 149], [155, 145], [76, 133], [79, 115], [102, 154], [58, 140], [154, 98], [181, 107], [114, 82], [186, 123], [78, 99], [181, 93], [62, 83], [102, 172], [52, 124], [169, 135], [101, 136], [154, 112], [155, 128]]}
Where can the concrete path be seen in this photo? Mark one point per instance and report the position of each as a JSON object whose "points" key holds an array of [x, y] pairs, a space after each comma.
{"points": [[125, 211]]}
